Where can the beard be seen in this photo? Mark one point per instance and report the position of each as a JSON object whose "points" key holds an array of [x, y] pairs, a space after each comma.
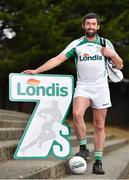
{"points": [[89, 33]]}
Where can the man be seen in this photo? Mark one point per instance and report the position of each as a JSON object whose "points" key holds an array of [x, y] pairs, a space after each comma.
{"points": [[92, 84]]}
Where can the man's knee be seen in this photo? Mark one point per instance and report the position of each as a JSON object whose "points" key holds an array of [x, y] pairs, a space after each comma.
{"points": [[77, 116], [99, 125]]}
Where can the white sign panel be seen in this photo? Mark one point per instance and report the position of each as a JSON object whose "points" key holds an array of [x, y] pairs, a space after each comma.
{"points": [[46, 132]]}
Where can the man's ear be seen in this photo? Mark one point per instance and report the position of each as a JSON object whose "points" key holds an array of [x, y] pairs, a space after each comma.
{"points": [[98, 27], [83, 26]]}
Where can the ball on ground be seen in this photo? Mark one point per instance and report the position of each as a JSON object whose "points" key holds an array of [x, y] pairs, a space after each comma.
{"points": [[77, 165]]}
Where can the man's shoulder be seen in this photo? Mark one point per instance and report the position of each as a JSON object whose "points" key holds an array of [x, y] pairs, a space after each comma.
{"points": [[77, 41], [73, 45], [108, 42]]}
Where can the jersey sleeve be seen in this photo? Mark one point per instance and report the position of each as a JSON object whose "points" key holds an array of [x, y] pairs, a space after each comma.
{"points": [[70, 51], [109, 44]]}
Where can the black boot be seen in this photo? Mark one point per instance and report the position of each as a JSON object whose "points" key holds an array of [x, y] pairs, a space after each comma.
{"points": [[83, 153], [97, 167]]}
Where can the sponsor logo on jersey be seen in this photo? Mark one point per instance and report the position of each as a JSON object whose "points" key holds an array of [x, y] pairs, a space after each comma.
{"points": [[86, 57]]}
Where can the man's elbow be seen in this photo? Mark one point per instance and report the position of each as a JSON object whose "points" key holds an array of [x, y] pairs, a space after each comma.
{"points": [[120, 66]]}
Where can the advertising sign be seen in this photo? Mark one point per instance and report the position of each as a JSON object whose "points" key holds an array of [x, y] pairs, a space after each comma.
{"points": [[46, 133]]}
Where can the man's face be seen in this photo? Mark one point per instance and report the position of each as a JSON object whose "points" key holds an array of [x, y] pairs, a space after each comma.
{"points": [[91, 27]]}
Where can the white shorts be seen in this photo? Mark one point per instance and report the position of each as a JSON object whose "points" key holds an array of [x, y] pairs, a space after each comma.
{"points": [[98, 95]]}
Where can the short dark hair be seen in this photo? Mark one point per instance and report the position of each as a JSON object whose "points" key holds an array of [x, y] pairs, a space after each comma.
{"points": [[91, 16]]}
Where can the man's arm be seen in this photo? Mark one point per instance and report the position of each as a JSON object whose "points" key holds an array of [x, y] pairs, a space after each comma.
{"points": [[116, 59], [57, 60]]}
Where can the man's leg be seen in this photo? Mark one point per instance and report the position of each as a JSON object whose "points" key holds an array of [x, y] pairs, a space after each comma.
{"points": [[99, 116], [80, 105]]}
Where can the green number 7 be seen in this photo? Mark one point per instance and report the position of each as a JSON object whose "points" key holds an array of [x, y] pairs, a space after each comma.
{"points": [[46, 132]]}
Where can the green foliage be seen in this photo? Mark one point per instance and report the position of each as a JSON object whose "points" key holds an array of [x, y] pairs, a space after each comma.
{"points": [[45, 27]]}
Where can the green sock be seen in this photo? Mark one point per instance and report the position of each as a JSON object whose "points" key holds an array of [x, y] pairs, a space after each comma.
{"points": [[98, 155], [83, 143]]}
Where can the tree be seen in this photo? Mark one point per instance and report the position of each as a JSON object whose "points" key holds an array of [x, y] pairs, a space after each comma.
{"points": [[32, 31]]}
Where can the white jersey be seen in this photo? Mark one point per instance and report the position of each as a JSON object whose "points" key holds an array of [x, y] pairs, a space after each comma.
{"points": [[90, 62]]}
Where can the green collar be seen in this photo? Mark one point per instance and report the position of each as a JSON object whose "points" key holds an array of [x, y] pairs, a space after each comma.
{"points": [[96, 41]]}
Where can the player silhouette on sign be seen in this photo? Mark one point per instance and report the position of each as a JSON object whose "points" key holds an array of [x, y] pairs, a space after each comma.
{"points": [[50, 115]]}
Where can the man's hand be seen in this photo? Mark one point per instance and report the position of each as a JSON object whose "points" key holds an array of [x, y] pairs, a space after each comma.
{"points": [[108, 52], [29, 71], [116, 59]]}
